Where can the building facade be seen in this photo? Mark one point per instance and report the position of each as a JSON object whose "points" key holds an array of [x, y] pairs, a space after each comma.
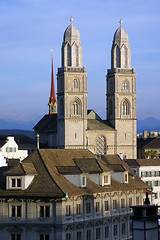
{"points": [[68, 195], [73, 127]]}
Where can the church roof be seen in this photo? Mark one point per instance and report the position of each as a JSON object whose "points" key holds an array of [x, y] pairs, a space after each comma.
{"points": [[47, 124], [94, 124]]}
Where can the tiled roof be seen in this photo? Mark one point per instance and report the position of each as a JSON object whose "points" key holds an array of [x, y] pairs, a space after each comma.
{"points": [[88, 165], [68, 170], [47, 124], [149, 162], [50, 182], [21, 169], [155, 143], [94, 124], [132, 162], [148, 143]]}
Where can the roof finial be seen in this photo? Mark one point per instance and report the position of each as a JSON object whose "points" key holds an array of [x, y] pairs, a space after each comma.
{"points": [[71, 19], [120, 22]]}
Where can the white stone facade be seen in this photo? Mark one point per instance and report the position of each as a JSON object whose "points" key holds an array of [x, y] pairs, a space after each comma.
{"points": [[10, 150], [107, 216]]}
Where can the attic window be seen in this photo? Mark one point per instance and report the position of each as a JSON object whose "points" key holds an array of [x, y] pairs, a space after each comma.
{"points": [[83, 181], [16, 183], [105, 179], [126, 177]]}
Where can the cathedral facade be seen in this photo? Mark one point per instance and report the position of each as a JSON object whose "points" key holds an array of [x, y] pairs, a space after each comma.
{"points": [[75, 127]]}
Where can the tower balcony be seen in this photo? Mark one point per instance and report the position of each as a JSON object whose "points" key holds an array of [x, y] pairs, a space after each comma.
{"points": [[121, 70], [72, 69]]}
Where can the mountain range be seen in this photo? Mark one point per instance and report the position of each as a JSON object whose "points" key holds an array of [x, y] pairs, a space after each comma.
{"points": [[8, 126]]}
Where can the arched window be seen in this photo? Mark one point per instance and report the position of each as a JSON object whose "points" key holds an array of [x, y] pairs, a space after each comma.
{"points": [[100, 145], [75, 83], [68, 55], [125, 108], [117, 57], [75, 108]]}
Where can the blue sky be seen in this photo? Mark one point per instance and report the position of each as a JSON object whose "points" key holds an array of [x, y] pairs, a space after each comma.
{"points": [[30, 28]]}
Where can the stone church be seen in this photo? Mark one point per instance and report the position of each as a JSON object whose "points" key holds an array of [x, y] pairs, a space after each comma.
{"points": [[69, 125]]}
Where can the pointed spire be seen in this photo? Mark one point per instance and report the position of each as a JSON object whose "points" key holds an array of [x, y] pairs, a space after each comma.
{"points": [[52, 100]]}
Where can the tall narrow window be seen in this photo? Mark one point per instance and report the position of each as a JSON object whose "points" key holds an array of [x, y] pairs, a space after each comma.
{"points": [[125, 85], [117, 57], [106, 205], [123, 228], [78, 235], [97, 207], [98, 233], [114, 204], [68, 210], [68, 236], [68, 55], [75, 108], [78, 209], [125, 108], [88, 234], [75, 83], [88, 208], [15, 236]]}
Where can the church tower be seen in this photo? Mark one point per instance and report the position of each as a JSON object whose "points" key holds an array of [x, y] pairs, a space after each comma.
{"points": [[121, 95], [71, 93]]}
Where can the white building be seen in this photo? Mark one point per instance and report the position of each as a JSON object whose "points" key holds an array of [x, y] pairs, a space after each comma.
{"points": [[9, 149], [149, 171]]}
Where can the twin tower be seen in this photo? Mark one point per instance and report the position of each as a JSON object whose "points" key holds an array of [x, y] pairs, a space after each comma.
{"points": [[79, 128]]}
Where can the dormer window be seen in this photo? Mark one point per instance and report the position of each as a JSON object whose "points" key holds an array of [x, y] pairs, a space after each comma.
{"points": [[126, 177], [105, 179], [16, 183], [83, 181]]}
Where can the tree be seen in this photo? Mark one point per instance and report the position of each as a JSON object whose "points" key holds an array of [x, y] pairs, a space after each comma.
{"points": [[151, 154]]}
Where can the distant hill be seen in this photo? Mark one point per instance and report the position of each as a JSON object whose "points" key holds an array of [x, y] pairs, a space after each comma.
{"points": [[17, 132], [12, 124], [148, 124]]}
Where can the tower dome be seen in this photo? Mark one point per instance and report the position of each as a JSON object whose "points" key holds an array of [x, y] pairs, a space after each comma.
{"points": [[120, 53], [71, 34], [120, 34], [71, 47]]}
